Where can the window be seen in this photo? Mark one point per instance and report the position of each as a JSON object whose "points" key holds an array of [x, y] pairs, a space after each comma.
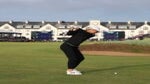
{"points": [[19, 26], [6, 27], [77, 26], [132, 27], [36, 26], [61, 26], [28, 26], [122, 26], [48, 28], [145, 28], [112, 26]]}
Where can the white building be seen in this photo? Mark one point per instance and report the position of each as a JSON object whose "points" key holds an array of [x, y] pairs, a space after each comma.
{"points": [[59, 28]]}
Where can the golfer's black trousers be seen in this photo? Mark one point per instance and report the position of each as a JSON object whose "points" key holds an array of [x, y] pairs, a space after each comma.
{"points": [[73, 54]]}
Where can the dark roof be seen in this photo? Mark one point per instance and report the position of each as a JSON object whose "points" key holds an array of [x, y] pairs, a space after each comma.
{"points": [[138, 24], [63, 23], [148, 23], [104, 24], [2, 23], [15, 24], [117, 24], [84, 24]]}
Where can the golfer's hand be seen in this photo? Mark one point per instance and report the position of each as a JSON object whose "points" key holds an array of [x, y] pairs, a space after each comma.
{"points": [[73, 29]]}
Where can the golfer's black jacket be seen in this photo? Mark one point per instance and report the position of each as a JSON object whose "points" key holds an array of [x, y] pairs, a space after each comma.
{"points": [[78, 36]]}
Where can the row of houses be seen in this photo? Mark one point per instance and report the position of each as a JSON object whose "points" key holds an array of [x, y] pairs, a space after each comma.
{"points": [[58, 29]]}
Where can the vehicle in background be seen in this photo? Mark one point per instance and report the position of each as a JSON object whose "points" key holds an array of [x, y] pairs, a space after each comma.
{"points": [[41, 36], [12, 37], [114, 35]]}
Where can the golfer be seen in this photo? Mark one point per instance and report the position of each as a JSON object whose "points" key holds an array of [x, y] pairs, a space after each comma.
{"points": [[71, 46]]}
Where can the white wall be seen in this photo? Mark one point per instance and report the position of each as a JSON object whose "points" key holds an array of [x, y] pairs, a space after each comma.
{"points": [[7, 27], [145, 29]]}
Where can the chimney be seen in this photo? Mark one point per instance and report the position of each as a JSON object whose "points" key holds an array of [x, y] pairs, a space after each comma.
{"points": [[43, 22], [109, 22], [129, 22], [10, 22], [26, 21], [59, 22], [145, 22], [76, 22]]}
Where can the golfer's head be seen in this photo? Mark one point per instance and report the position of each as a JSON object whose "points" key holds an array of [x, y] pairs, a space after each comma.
{"points": [[93, 27]]}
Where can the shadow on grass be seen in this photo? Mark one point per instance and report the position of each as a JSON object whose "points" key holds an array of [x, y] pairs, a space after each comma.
{"points": [[116, 68]]}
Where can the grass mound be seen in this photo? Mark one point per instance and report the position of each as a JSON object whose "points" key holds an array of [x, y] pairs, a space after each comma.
{"points": [[119, 47]]}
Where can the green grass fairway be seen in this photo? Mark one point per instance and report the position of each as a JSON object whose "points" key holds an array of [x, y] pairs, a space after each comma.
{"points": [[44, 63]]}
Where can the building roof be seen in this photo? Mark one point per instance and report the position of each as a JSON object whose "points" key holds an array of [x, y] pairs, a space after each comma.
{"points": [[126, 25], [63, 24], [27, 23], [2, 23], [148, 23]]}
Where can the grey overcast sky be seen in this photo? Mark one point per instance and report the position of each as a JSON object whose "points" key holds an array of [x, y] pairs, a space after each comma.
{"points": [[72, 10]]}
